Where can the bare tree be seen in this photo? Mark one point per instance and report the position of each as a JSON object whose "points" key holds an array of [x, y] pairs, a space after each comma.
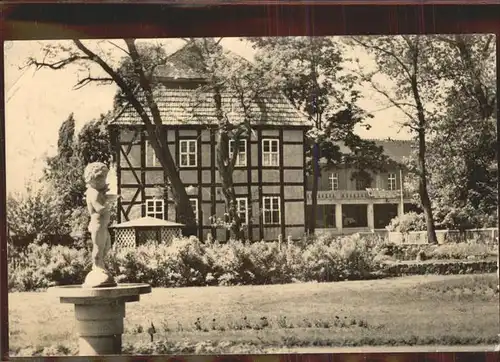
{"points": [[136, 88]]}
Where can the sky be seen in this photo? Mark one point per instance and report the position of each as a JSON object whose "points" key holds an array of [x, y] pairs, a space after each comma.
{"points": [[37, 102]]}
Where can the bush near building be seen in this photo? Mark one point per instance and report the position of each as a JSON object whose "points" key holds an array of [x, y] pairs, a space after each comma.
{"points": [[189, 262]]}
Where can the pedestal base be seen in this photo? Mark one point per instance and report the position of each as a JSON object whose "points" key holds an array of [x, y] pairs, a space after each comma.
{"points": [[99, 314], [99, 278]]}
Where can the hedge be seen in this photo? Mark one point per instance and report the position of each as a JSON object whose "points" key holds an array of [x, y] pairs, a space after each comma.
{"points": [[189, 262], [458, 251], [440, 267]]}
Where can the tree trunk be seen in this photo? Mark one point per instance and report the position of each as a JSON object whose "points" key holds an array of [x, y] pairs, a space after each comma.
{"points": [[225, 166], [314, 188], [421, 130], [226, 176], [158, 139], [422, 188]]}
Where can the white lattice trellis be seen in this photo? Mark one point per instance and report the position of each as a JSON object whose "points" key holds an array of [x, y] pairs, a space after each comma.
{"points": [[147, 236], [146, 230], [168, 234], [124, 238]]}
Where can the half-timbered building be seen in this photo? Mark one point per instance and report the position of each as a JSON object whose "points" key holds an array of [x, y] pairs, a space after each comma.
{"points": [[269, 176]]}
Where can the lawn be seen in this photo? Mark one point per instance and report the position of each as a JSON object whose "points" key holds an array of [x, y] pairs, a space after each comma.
{"points": [[433, 309]]}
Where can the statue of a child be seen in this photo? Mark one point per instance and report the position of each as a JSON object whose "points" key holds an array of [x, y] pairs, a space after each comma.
{"points": [[98, 203]]}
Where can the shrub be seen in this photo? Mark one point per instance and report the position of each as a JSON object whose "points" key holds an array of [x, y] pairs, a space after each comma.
{"points": [[182, 263], [42, 266], [188, 262], [463, 251], [34, 215], [408, 222], [442, 268]]}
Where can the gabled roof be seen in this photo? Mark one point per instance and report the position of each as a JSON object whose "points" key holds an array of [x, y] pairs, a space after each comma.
{"points": [[181, 103], [182, 106], [396, 150]]}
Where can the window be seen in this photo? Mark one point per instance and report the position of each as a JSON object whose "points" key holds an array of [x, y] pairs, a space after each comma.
{"points": [[362, 184], [242, 207], [391, 180], [271, 210], [325, 216], [187, 154], [241, 157], [334, 181], [151, 159], [155, 208], [270, 153], [194, 205]]}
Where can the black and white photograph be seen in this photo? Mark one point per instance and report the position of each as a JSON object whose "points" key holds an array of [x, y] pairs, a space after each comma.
{"points": [[252, 195]]}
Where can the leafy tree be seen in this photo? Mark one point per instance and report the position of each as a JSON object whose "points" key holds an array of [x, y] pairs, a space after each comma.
{"points": [[33, 215], [136, 88], [64, 170], [93, 142], [66, 139], [409, 60], [309, 70], [462, 156]]}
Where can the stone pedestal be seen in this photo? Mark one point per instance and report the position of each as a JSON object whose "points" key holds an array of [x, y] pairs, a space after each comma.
{"points": [[99, 314]]}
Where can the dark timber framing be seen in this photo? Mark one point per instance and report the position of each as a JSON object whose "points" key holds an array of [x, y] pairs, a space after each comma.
{"points": [[176, 161], [165, 193], [213, 190], [133, 173], [259, 164], [304, 140], [143, 173], [200, 181], [282, 183], [249, 188]]}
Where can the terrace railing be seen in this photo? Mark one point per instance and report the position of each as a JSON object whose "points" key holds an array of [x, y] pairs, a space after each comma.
{"points": [[359, 194]]}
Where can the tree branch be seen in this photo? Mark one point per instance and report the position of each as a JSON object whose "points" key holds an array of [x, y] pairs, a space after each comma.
{"points": [[399, 105], [119, 47], [83, 82], [386, 52], [129, 93], [56, 65]]}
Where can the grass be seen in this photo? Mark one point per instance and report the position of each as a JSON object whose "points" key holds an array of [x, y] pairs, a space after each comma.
{"points": [[416, 310]]}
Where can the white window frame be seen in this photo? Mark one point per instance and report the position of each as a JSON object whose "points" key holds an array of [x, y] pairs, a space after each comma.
{"points": [[269, 142], [188, 153], [271, 210], [334, 181], [242, 201], [238, 162], [392, 177], [154, 203], [154, 160], [195, 208]]}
